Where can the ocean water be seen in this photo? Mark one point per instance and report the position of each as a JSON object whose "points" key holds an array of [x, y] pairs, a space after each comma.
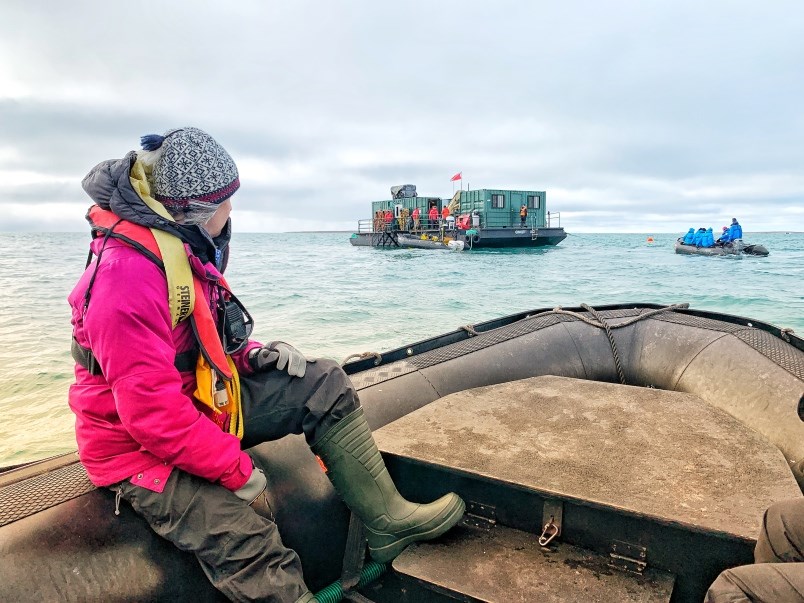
{"points": [[330, 299]]}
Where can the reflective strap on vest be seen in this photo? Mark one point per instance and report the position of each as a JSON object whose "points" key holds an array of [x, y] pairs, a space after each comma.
{"points": [[181, 296], [184, 362]]}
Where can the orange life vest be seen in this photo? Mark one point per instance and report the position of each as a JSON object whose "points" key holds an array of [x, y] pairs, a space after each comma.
{"points": [[221, 395], [141, 238]]}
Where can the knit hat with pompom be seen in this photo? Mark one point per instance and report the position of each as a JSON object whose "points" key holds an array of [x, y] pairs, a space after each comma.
{"points": [[190, 167]]}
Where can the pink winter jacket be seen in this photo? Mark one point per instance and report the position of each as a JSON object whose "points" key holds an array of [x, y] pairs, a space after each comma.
{"points": [[139, 419]]}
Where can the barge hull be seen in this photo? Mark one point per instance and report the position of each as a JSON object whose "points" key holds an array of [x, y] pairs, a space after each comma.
{"points": [[487, 238]]}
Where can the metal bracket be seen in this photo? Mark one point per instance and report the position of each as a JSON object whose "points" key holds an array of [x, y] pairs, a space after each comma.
{"points": [[628, 557], [552, 517], [479, 515]]}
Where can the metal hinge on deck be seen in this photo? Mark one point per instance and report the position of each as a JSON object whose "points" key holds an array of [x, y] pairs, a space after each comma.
{"points": [[479, 515], [628, 557]]}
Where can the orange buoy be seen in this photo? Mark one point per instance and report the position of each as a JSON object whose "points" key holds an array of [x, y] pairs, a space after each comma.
{"points": [[650, 239]]}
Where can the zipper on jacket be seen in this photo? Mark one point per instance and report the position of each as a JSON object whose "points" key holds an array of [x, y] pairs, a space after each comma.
{"points": [[118, 495]]}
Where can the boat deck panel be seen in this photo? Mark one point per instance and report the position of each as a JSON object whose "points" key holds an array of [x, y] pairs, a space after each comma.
{"points": [[508, 565], [647, 452]]}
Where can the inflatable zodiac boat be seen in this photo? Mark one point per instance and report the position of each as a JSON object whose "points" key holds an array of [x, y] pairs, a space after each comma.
{"points": [[432, 242], [728, 249], [624, 453]]}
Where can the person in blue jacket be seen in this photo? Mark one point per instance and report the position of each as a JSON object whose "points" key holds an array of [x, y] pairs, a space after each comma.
{"points": [[708, 238], [736, 231], [724, 237], [696, 240], [689, 237]]}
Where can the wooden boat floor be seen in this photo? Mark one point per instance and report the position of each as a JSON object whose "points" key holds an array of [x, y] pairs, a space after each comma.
{"points": [[503, 564], [648, 452]]}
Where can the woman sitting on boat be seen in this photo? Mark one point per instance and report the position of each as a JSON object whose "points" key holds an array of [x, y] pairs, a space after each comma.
{"points": [[724, 237], [169, 389]]}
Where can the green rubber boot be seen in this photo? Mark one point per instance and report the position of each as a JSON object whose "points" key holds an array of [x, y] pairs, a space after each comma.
{"points": [[356, 469]]}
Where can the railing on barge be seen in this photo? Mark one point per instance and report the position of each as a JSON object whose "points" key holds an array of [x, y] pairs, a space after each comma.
{"points": [[369, 225]]}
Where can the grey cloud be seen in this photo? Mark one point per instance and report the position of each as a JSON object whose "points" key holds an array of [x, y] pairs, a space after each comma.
{"points": [[35, 221], [621, 106], [37, 194], [62, 138]]}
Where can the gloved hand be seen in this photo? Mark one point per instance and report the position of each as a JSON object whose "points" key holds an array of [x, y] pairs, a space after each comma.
{"points": [[254, 487], [255, 492], [281, 354]]}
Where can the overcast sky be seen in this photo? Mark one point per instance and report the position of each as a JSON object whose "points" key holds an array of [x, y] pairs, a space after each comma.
{"points": [[634, 116]]}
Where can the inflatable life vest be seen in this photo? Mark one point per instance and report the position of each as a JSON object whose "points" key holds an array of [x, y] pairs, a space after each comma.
{"points": [[217, 380]]}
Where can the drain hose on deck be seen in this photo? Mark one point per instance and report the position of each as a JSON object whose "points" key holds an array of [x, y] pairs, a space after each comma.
{"points": [[334, 592]]}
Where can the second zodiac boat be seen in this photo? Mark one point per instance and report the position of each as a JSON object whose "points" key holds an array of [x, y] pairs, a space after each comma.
{"points": [[624, 453], [735, 248]]}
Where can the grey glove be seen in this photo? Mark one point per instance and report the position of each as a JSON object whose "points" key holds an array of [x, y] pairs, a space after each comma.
{"points": [[281, 354], [254, 487], [255, 493]]}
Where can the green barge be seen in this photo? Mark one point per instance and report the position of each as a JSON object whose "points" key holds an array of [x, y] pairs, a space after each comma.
{"points": [[472, 219]]}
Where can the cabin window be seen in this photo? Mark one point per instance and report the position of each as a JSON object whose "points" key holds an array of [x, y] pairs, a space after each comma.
{"points": [[533, 201], [498, 201]]}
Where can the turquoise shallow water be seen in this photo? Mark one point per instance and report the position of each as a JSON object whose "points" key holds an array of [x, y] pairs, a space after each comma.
{"points": [[331, 299]]}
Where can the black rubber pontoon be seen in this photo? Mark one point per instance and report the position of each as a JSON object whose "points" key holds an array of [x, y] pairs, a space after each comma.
{"points": [[728, 249]]}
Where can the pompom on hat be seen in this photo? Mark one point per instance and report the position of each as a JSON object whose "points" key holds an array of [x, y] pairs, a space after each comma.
{"points": [[191, 167]]}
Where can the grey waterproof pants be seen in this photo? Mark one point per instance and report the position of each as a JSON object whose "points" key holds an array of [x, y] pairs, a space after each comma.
{"points": [[240, 551], [778, 575]]}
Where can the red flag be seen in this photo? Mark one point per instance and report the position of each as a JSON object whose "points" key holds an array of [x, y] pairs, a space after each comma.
{"points": [[456, 177]]}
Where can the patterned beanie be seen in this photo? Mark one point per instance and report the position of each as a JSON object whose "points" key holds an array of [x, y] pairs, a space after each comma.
{"points": [[191, 167]]}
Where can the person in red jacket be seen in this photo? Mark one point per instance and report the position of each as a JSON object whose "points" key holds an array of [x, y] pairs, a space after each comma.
{"points": [[416, 216], [159, 420], [432, 215]]}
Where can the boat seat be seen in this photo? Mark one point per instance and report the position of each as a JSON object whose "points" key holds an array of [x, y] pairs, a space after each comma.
{"points": [[506, 565], [681, 484]]}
